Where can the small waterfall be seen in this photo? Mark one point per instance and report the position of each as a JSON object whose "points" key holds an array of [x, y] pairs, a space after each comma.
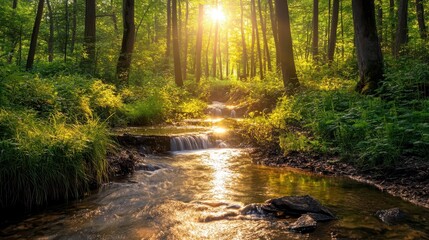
{"points": [[190, 142]]}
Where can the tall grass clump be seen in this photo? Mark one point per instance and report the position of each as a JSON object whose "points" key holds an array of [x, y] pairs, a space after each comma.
{"points": [[48, 160]]}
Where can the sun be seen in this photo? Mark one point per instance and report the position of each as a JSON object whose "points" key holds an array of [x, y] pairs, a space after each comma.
{"points": [[216, 14]]}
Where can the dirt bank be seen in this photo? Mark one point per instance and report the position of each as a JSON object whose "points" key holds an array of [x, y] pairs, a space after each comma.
{"points": [[410, 180]]}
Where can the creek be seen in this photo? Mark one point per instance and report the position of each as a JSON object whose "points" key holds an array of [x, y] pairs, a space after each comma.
{"points": [[184, 192]]}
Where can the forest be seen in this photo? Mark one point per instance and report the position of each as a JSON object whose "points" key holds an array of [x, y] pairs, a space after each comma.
{"points": [[317, 85]]}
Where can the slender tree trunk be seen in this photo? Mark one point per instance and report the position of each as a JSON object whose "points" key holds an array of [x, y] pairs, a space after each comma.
{"points": [[275, 34], [333, 34], [264, 36], [207, 70], [392, 24], [402, 28], [14, 4], [215, 44], [252, 55], [315, 23], [66, 40], [258, 42], [199, 43], [74, 26], [243, 44], [369, 56], [227, 54], [34, 35], [185, 50], [168, 51], [290, 79], [176, 50], [14, 39], [124, 60], [88, 62], [380, 20], [421, 19], [51, 32], [220, 59]]}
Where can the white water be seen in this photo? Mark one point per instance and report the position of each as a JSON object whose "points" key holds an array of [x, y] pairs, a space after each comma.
{"points": [[190, 142]]}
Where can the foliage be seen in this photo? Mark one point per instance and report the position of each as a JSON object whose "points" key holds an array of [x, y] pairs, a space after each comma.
{"points": [[48, 160]]}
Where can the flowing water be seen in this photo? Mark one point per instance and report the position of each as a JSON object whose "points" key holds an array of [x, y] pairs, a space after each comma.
{"points": [[190, 187]]}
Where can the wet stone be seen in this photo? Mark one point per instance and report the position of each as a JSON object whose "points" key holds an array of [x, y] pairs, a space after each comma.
{"points": [[303, 224], [391, 216], [298, 205]]}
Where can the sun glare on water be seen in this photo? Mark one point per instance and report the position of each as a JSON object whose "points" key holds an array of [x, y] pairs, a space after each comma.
{"points": [[216, 14]]}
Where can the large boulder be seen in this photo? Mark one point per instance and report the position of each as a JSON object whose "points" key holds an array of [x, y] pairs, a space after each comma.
{"points": [[298, 205]]}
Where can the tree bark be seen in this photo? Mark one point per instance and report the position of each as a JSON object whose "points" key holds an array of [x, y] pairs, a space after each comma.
{"points": [[51, 32], [333, 34], [74, 26], [290, 79], [199, 44], [168, 51], [315, 23], [88, 62], [124, 60], [34, 35], [176, 50], [421, 19], [264, 36], [402, 28], [275, 34], [369, 56], [243, 44]]}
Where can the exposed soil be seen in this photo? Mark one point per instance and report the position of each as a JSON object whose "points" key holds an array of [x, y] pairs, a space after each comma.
{"points": [[410, 180]]}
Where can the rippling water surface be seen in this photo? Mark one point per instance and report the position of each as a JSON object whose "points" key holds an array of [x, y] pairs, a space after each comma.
{"points": [[190, 188]]}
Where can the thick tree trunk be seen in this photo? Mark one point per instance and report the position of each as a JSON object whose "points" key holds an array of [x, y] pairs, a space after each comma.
{"points": [[243, 45], [370, 59], [74, 26], [176, 51], [51, 32], [34, 35], [88, 62], [264, 36], [315, 23], [275, 34], [402, 28], [290, 79], [421, 19], [333, 34], [168, 51], [199, 44], [124, 60]]}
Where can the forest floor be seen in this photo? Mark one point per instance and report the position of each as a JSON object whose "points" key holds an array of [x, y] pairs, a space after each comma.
{"points": [[410, 181]]}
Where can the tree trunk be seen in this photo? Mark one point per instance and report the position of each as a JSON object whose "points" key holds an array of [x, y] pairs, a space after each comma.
{"points": [[34, 35], [51, 32], [315, 23], [370, 59], [421, 19], [220, 60], [333, 34], [258, 42], [14, 4], [185, 48], [74, 26], [67, 29], [275, 34], [124, 60], [199, 43], [14, 38], [207, 70], [176, 51], [264, 36], [227, 54], [290, 79], [215, 44], [243, 45], [168, 51], [392, 24], [88, 62], [402, 28], [380, 20]]}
